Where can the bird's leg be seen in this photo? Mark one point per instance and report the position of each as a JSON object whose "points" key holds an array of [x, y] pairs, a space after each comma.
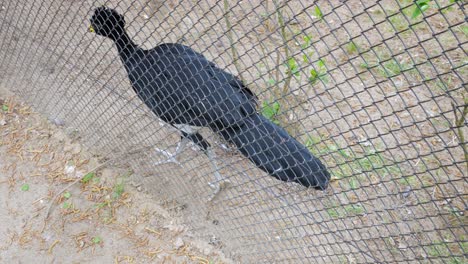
{"points": [[219, 183], [171, 157]]}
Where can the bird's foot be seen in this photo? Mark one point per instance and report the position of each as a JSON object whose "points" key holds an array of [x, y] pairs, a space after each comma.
{"points": [[171, 157], [217, 186]]}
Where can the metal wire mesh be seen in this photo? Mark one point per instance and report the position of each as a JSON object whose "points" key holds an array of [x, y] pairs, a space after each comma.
{"points": [[376, 90]]}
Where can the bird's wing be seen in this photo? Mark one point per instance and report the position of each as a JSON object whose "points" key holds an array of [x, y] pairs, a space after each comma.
{"points": [[203, 89], [188, 54]]}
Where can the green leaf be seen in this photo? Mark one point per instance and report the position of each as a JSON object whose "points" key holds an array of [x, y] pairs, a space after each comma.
{"points": [[96, 240], [118, 190], [67, 195], [272, 82], [307, 42], [464, 29], [271, 110], [292, 67], [5, 108], [321, 64], [421, 6], [66, 205], [313, 76], [25, 187], [88, 177], [318, 12]]}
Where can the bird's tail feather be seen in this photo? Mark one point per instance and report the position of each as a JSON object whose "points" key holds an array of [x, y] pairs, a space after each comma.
{"points": [[274, 151]]}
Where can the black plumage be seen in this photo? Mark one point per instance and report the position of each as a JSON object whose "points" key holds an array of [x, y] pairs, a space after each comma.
{"points": [[186, 90]]}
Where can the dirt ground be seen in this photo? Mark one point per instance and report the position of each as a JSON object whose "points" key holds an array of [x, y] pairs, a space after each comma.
{"points": [[101, 218]]}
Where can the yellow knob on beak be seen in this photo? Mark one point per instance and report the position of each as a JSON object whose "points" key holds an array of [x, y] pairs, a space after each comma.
{"points": [[91, 29]]}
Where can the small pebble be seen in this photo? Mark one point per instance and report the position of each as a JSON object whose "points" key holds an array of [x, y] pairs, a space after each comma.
{"points": [[407, 192], [57, 121], [178, 243]]}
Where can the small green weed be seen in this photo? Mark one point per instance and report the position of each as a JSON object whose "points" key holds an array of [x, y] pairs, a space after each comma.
{"points": [[319, 73], [318, 12], [25, 187], [271, 111], [88, 177], [419, 7], [118, 190], [352, 47], [96, 240]]}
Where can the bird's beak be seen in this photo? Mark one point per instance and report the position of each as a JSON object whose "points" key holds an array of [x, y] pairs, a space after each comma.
{"points": [[91, 29]]}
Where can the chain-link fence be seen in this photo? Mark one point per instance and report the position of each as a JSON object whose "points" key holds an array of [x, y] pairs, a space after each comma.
{"points": [[376, 90]]}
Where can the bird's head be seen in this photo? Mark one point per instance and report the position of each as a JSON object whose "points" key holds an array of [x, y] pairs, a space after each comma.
{"points": [[107, 22]]}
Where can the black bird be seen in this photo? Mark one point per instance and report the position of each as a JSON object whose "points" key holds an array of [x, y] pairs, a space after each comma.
{"points": [[187, 91]]}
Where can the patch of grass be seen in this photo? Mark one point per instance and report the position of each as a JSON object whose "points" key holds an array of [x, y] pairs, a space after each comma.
{"points": [[318, 73], [392, 68], [353, 183], [345, 211], [96, 240], [25, 187], [318, 12], [352, 47], [398, 23], [118, 190], [441, 249], [464, 29], [354, 209], [67, 195], [67, 205], [333, 213], [88, 177], [419, 7], [271, 111], [409, 181], [350, 165]]}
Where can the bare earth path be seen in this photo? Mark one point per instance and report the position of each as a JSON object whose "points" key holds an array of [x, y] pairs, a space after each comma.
{"points": [[101, 219]]}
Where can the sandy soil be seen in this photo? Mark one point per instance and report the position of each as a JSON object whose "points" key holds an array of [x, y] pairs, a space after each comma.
{"points": [[101, 219]]}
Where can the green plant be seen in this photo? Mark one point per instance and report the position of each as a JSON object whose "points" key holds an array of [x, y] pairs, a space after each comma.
{"points": [[409, 181], [392, 68], [271, 111], [318, 12], [352, 47], [67, 195], [354, 209], [96, 240], [333, 212], [344, 211], [118, 190], [464, 29], [420, 7], [88, 177], [292, 67], [25, 187], [318, 73]]}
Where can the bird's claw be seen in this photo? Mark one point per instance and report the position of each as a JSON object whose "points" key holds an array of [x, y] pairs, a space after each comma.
{"points": [[171, 157], [217, 186]]}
